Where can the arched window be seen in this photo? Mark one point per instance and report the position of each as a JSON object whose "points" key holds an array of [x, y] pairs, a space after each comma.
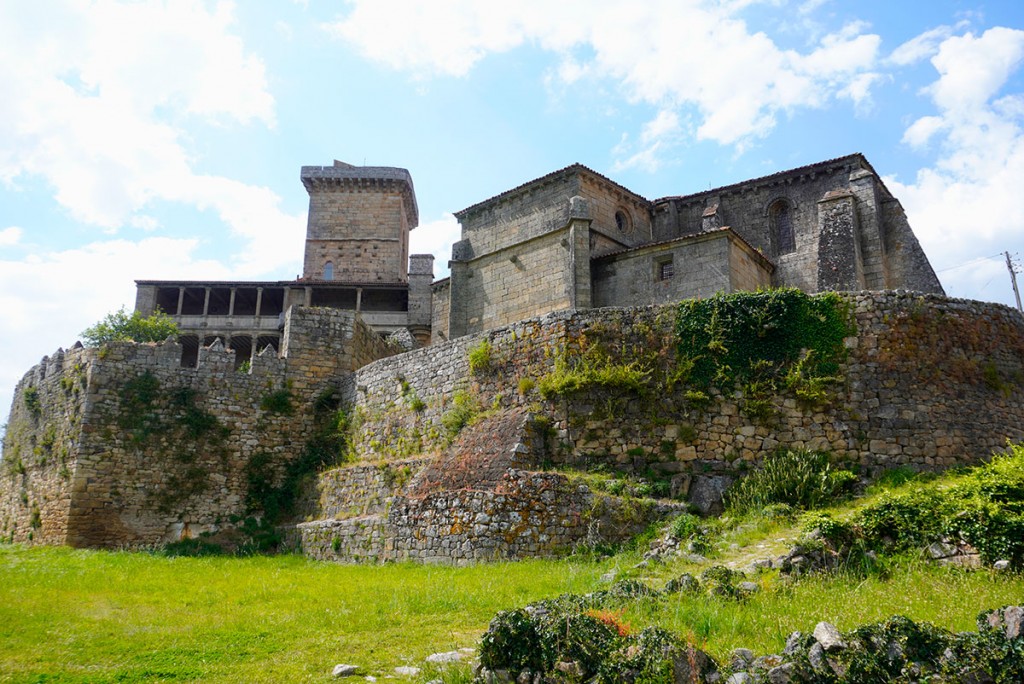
{"points": [[623, 221], [781, 221], [329, 271]]}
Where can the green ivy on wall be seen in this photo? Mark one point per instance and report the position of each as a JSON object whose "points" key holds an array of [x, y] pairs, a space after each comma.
{"points": [[764, 341]]}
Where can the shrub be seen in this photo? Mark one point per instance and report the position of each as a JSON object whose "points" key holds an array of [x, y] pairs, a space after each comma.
{"points": [[191, 547], [134, 327], [799, 478], [32, 403], [480, 357], [279, 401], [763, 340], [464, 409], [511, 642], [685, 526]]}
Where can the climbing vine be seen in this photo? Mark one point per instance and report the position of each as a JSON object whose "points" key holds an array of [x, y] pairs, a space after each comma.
{"points": [[764, 342], [171, 424]]}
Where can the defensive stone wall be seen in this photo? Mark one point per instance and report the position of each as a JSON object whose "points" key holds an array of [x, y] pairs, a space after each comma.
{"points": [[122, 446], [40, 448], [928, 382], [529, 514]]}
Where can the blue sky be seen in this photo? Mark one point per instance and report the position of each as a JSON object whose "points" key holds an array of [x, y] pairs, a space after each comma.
{"points": [[164, 139]]}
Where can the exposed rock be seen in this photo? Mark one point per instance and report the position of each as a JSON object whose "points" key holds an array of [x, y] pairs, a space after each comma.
{"points": [[407, 671], [795, 643], [685, 582], [816, 657], [446, 657], [1001, 565], [570, 668], [741, 659], [739, 678], [937, 550], [706, 493], [783, 674], [829, 637], [342, 670], [1008, 620]]}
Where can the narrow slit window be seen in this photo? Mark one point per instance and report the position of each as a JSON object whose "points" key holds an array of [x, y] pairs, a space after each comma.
{"points": [[782, 227], [329, 271]]}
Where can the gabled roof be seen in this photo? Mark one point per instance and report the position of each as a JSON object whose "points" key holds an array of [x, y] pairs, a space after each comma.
{"points": [[543, 180]]}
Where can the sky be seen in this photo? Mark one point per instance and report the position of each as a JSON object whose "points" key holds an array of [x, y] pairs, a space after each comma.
{"points": [[163, 140]]}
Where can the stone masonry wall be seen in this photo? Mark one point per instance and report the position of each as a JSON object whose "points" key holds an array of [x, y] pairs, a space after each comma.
{"points": [[164, 449], [530, 514], [40, 448], [702, 265], [363, 232], [121, 446], [441, 306], [508, 285], [929, 382]]}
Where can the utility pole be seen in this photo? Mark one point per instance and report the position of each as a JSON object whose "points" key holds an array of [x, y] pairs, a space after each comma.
{"points": [[1013, 279]]}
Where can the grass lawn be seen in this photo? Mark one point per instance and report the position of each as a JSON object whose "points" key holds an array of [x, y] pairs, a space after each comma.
{"points": [[91, 616]]}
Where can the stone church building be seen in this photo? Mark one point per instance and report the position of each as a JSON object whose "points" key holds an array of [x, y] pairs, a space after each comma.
{"points": [[572, 239]]}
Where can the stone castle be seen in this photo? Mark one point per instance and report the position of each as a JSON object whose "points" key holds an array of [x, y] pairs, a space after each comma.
{"points": [[435, 391]]}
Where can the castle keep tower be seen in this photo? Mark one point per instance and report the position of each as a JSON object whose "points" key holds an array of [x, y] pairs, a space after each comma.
{"points": [[359, 223]]}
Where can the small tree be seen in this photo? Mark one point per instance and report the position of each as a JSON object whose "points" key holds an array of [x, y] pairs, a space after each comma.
{"points": [[123, 326]]}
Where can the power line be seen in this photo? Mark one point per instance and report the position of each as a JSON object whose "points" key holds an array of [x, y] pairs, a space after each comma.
{"points": [[975, 260]]}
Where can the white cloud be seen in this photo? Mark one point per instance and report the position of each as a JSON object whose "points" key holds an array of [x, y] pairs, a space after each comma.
{"points": [[922, 130], [973, 68], [10, 236], [921, 46], [97, 99], [967, 204], [49, 297], [436, 237], [655, 135], [665, 53]]}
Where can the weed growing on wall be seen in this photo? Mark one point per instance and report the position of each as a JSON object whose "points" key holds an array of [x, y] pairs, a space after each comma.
{"points": [[595, 369], [278, 401], [480, 357], [764, 342], [32, 402], [465, 408]]}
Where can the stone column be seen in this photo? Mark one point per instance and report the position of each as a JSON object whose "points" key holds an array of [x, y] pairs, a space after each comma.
{"points": [[421, 280], [579, 254], [461, 282], [145, 299]]}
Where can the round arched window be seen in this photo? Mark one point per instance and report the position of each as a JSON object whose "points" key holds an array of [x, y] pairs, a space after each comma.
{"points": [[623, 221], [329, 271]]}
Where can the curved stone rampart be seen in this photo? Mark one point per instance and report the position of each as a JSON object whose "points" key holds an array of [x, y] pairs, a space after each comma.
{"points": [[929, 382]]}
